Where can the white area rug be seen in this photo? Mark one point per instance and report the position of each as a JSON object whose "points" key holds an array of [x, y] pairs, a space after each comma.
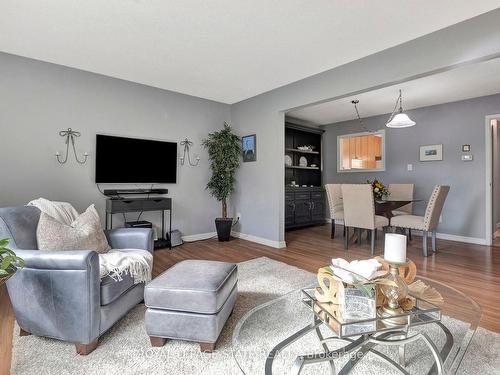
{"points": [[125, 349]]}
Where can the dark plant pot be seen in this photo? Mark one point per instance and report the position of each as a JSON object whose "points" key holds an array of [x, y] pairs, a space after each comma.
{"points": [[223, 226]]}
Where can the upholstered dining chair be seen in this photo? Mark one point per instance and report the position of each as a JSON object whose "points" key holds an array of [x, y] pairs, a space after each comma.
{"points": [[334, 194], [359, 212], [402, 191], [428, 222]]}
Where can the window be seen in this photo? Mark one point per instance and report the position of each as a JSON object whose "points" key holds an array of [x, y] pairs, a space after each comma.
{"points": [[361, 152]]}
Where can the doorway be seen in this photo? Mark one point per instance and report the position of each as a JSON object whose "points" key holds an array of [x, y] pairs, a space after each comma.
{"points": [[495, 179]]}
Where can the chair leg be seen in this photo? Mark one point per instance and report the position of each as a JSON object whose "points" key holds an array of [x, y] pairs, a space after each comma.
{"points": [[332, 234], [376, 234], [434, 245], [409, 234], [372, 236], [86, 349], [344, 230], [424, 243], [346, 238]]}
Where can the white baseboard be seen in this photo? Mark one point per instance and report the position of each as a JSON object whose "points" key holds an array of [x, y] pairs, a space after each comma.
{"points": [[453, 237], [441, 236], [199, 236], [260, 240]]}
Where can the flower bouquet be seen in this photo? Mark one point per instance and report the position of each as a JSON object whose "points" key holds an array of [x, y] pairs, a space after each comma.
{"points": [[379, 189]]}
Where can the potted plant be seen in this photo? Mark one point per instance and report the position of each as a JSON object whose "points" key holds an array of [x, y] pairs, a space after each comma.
{"points": [[9, 261], [224, 150]]}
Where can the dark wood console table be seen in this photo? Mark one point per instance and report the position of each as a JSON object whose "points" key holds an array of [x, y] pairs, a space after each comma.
{"points": [[125, 205]]}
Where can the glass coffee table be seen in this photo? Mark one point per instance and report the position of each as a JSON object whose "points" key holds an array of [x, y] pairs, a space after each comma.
{"points": [[295, 334]]}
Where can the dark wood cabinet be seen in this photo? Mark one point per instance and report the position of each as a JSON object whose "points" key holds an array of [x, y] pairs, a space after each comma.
{"points": [[304, 206], [305, 202]]}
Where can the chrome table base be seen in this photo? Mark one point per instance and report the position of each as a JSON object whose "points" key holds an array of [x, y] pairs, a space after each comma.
{"points": [[361, 346]]}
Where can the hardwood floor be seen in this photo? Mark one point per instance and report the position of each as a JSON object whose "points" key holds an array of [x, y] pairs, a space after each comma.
{"points": [[472, 269]]}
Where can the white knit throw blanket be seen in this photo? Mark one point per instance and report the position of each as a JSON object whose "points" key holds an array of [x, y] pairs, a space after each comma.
{"points": [[136, 263], [115, 263]]}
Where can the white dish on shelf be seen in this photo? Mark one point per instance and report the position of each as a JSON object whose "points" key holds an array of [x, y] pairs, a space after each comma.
{"points": [[313, 165], [288, 160], [303, 161]]}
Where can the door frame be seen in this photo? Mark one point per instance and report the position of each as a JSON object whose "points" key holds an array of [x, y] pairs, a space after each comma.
{"points": [[488, 151]]}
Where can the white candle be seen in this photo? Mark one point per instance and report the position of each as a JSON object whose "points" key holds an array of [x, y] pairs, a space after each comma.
{"points": [[395, 248]]}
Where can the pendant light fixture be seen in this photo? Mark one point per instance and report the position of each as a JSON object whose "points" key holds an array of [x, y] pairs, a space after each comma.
{"points": [[356, 102], [356, 162], [399, 120]]}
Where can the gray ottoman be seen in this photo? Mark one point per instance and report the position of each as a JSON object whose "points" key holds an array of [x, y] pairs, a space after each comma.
{"points": [[191, 301]]}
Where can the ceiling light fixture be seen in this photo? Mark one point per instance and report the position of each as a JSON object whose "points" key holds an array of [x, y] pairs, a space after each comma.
{"points": [[400, 120]]}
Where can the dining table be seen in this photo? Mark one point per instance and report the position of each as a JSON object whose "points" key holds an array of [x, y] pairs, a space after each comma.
{"points": [[386, 206]]}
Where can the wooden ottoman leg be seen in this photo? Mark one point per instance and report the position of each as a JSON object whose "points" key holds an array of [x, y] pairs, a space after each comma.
{"points": [[22, 332], [86, 349], [157, 341], [207, 347]]}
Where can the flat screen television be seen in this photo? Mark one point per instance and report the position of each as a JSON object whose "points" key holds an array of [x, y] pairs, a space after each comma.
{"points": [[132, 160]]}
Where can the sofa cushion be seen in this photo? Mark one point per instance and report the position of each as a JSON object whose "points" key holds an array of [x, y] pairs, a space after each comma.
{"points": [[199, 286], [112, 290]]}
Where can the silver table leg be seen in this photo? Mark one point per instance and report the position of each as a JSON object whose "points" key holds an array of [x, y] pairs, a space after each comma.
{"points": [[402, 352], [362, 345]]}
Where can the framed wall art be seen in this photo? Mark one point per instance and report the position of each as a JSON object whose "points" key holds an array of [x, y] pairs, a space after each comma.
{"points": [[249, 147], [431, 152]]}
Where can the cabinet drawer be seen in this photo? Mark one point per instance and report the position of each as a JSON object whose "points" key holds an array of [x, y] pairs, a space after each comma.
{"points": [[289, 196], [303, 195], [156, 204], [124, 205], [317, 195]]}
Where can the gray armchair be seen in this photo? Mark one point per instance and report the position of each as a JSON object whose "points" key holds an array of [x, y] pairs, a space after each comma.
{"points": [[59, 294]]}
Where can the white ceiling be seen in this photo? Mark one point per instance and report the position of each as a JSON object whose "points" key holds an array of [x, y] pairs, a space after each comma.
{"points": [[225, 50], [463, 83]]}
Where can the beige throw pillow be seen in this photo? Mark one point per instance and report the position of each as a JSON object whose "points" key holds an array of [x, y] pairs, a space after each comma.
{"points": [[85, 233]]}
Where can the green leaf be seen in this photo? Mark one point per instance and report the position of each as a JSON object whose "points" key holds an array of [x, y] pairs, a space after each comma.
{"points": [[7, 261]]}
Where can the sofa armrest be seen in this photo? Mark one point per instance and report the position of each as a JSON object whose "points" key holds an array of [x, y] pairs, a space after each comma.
{"points": [[131, 238], [57, 294], [58, 260]]}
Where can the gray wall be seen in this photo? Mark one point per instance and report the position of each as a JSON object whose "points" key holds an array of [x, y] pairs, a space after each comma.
{"points": [[259, 192], [38, 99], [451, 124]]}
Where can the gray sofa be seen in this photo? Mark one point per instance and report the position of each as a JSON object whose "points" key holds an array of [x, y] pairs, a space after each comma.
{"points": [[60, 294]]}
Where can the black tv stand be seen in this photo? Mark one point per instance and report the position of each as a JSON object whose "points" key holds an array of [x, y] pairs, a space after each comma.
{"points": [[125, 205]]}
